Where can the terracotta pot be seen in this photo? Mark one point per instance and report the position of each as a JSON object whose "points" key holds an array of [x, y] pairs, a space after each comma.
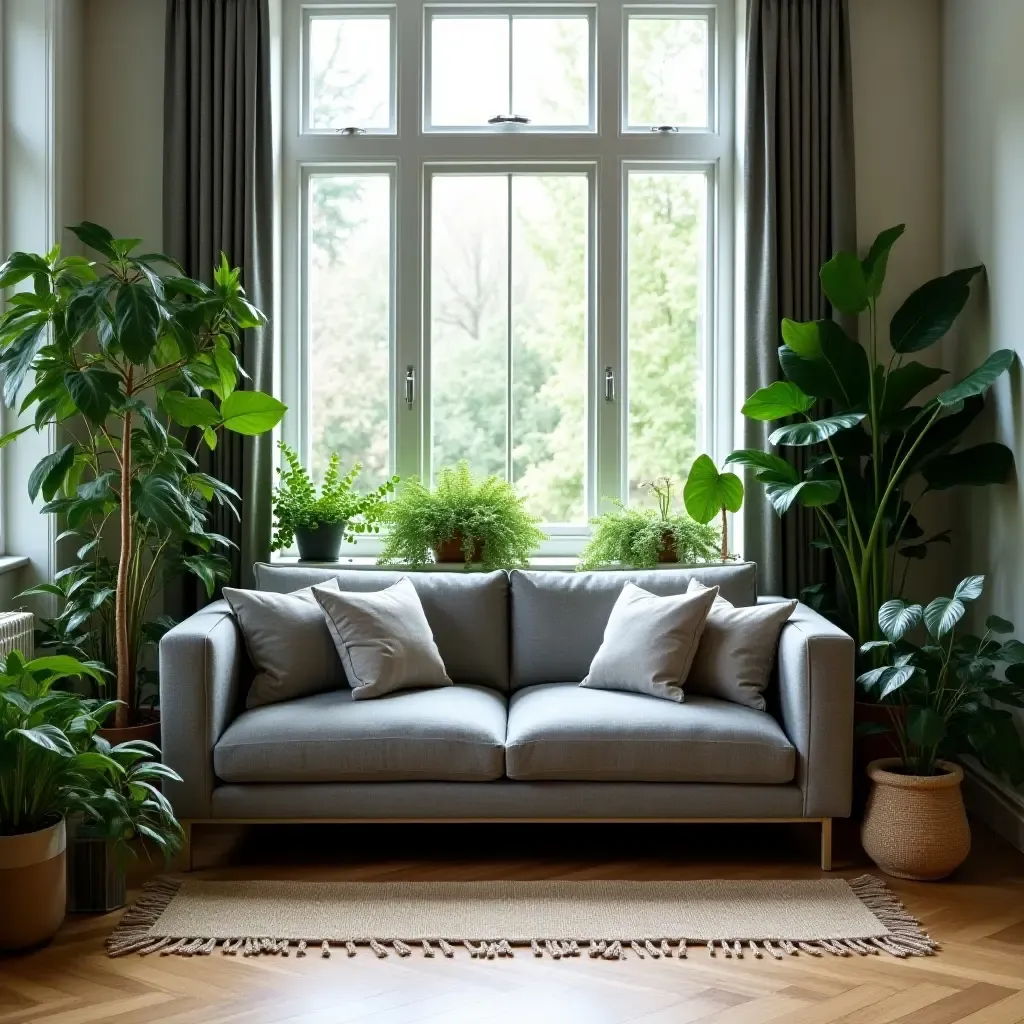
{"points": [[148, 731], [322, 543], [32, 886], [915, 825], [668, 551], [451, 550]]}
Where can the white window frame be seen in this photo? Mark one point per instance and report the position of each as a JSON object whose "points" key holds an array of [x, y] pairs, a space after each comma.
{"points": [[609, 151]]}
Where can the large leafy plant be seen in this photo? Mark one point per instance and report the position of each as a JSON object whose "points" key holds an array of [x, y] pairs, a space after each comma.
{"points": [[298, 506], [484, 515], [54, 763], [942, 693], [881, 448], [118, 350], [636, 537]]}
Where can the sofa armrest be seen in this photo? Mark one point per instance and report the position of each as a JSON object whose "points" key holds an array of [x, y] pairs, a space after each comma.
{"points": [[816, 693], [200, 685]]}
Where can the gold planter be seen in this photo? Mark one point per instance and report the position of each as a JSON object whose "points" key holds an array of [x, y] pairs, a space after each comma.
{"points": [[32, 886], [915, 826]]}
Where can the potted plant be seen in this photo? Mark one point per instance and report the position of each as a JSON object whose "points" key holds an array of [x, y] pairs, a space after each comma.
{"points": [[118, 351], [319, 522], [461, 520], [54, 763], [943, 698], [643, 537], [708, 493]]}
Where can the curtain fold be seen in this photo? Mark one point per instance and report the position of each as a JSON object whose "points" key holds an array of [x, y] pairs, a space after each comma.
{"points": [[218, 197], [800, 209]]}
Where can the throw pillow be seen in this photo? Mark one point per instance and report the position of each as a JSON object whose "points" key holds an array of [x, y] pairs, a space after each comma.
{"points": [[383, 639], [737, 650], [288, 642], [649, 642]]}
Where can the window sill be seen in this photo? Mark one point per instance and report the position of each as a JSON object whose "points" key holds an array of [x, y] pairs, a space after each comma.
{"points": [[9, 563], [555, 563]]}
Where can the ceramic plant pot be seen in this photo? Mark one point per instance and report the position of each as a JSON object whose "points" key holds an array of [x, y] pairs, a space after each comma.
{"points": [[451, 550], [33, 886], [915, 826], [321, 543]]}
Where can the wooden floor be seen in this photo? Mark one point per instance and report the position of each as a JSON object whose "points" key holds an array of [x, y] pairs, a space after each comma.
{"points": [[978, 915]]}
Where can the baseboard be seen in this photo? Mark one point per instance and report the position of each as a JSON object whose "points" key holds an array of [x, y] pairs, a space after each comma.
{"points": [[994, 802]]}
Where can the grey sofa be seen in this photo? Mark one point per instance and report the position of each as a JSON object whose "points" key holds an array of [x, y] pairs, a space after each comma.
{"points": [[515, 738]]}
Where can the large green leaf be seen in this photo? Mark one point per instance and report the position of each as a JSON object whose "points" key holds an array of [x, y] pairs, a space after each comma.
{"points": [[137, 320], [969, 588], [802, 337], [49, 737], [17, 360], [815, 431], [980, 466], [754, 458], [942, 615], [978, 381], [251, 412], [810, 493], [707, 491], [776, 401], [930, 311], [896, 677], [877, 259], [8, 438], [925, 727], [903, 383], [896, 618], [83, 309], [93, 390], [189, 411], [48, 474], [839, 370], [95, 236], [844, 284], [20, 265], [158, 497]]}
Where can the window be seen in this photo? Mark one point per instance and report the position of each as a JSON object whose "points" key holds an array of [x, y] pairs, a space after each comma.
{"points": [[508, 239]]}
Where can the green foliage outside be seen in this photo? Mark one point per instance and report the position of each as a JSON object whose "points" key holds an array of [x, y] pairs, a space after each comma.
{"points": [[478, 512], [297, 505], [53, 763], [942, 692]]}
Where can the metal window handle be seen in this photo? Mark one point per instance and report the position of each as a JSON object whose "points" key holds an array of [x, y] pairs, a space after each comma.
{"points": [[664, 129], [351, 130], [508, 119], [410, 386], [609, 384]]}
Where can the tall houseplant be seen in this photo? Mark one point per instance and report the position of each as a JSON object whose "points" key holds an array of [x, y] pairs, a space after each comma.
{"points": [[118, 350], [880, 449]]}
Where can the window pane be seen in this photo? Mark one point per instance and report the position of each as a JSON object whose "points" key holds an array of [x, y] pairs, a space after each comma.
{"points": [[350, 73], [468, 70], [469, 321], [666, 273], [549, 343], [668, 72], [551, 70], [350, 321]]}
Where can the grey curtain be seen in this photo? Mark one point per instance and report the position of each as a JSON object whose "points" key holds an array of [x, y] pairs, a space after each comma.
{"points": [[800, 208], [218, 181]]}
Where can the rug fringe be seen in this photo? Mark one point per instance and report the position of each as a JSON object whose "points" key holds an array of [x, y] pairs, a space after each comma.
{"points": [[903, 937]]}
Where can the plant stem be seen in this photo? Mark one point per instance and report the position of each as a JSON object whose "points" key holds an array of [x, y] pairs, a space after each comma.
{"points": [[725, 536], [124, 681]]}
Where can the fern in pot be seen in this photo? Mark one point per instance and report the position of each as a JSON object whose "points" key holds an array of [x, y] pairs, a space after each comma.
{"points": [[318, 522]]}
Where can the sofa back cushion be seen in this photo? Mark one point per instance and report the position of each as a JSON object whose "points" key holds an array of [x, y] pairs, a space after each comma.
{"points": [[467, 612], [558, 618]]}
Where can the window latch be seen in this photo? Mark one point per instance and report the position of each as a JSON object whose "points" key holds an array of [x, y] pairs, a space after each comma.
{"points": [[609, 384], [351, 130], [508, 119], [664, 129], [410, 386]]}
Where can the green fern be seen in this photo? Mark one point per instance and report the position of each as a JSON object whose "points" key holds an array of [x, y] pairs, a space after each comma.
{"points": [[488, 511]]}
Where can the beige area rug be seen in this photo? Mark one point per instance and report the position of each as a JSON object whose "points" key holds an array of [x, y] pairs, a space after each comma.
{"points": [[606, 919]]}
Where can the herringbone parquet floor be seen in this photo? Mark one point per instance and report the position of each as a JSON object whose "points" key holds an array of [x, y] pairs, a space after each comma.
{"points": [[977, 979]]}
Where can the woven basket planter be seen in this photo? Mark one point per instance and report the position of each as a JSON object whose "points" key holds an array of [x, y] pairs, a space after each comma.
{"points": [[915, 826]]}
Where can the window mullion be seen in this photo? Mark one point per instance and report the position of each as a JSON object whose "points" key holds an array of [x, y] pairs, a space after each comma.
{"points": [[508, 334]]}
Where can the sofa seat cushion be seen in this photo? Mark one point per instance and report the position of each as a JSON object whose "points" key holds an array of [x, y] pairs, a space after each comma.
{"points": [[563, 731], [451, 734]]}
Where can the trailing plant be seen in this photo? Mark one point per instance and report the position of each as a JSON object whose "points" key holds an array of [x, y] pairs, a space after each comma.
{"points": [[881, 449], [708, 493], [297, 505], [482, 514], [637, 536], [943, 692], [118, 350], [54, 763]]}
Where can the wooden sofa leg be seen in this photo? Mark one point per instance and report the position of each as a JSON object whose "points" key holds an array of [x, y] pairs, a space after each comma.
{"points": [[826, 844]]}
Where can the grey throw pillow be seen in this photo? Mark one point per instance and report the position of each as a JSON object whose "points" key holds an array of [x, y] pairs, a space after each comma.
{"points": [[288, 642], [649, 642], [737, 650], [383, 638]]}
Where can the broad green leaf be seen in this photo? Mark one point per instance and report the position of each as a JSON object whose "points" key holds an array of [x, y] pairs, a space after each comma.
{"points": [[815, 431], [871, 678], [925, 727], [707, 492], [158, 498], [969, 589], [838, 372], [895, 677], [875, 645], [929, 312], [63, 666], [896, 618], [980, 466], [20, 265], [226, 364], [205, 569], [942, 615], [49, 472], [877, 259], [49, 737], [189, 411], [93, 390], [95, 237], [903, 383], [137, 317], [83, 309], [754, 458], [17, 360], [844, 284], [776, 401], [210, 437], [98, 488], [810, 493], [8, 438], [978, 381], [802, 337], [996, 624], [251, 412]]}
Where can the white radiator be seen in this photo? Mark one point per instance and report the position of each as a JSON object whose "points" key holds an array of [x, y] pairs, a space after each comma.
{"points": [[16, 634]]}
